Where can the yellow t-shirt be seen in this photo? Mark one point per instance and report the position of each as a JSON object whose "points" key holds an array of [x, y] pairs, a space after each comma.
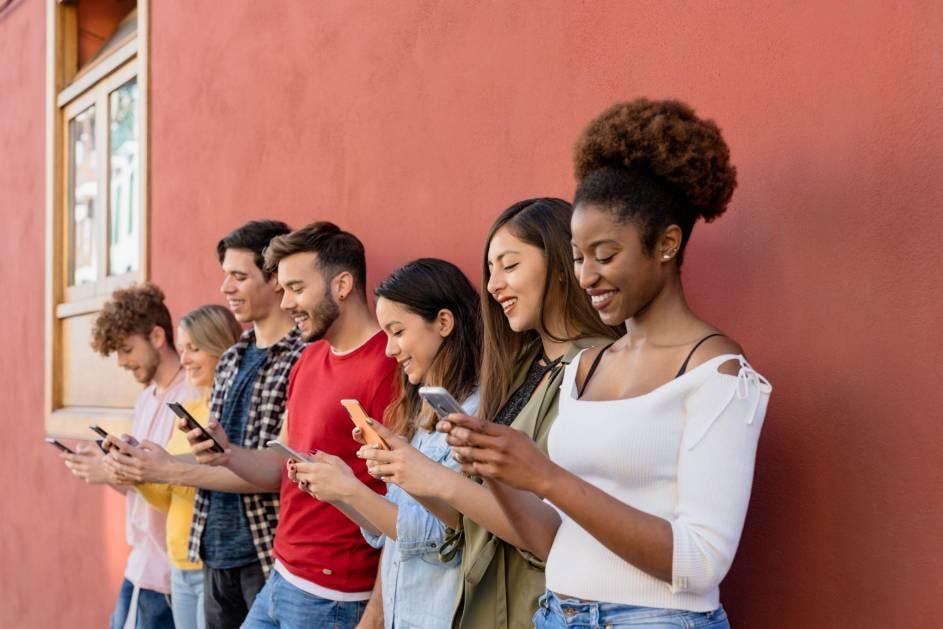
{"points": [[177, 500]]}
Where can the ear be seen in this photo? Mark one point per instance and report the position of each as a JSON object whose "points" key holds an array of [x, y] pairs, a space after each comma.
{"points": [[342, 285], [668, 245], [272, 282], [444, 322], [157, 337]]}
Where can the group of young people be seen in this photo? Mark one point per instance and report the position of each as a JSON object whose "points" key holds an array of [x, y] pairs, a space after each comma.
{"points": [[598, 476]]}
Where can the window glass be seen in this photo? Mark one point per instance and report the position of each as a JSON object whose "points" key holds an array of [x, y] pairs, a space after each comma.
{"points": [[83, 198], [124, 217]]}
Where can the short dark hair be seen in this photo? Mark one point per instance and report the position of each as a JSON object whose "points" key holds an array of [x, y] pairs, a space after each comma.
{"points": [[134, 310], [336, 249], [254, 236]]}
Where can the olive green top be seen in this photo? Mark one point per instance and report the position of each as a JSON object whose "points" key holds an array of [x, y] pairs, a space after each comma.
{"points": [[501, 583]]}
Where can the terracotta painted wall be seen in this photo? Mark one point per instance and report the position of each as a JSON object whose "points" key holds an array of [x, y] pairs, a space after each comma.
{"points": [[61, 542], [414, 124]]}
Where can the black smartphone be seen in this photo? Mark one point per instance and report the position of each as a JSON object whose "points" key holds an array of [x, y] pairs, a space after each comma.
{"points": [[103, 434], [55, 442], [192, 423]]}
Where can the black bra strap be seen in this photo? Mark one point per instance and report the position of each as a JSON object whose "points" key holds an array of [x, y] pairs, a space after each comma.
{"points": [[592, 370], [684, 367]]}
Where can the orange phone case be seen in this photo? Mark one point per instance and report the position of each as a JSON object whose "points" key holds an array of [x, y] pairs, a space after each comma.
{"points": [[359, 417]]}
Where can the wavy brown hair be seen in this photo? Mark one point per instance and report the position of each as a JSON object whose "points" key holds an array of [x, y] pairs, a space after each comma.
{"points": [[426, 287], [134, 310], [543, 223]]}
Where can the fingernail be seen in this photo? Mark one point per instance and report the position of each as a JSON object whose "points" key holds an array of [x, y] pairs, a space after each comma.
{"points": [[369, 422]]}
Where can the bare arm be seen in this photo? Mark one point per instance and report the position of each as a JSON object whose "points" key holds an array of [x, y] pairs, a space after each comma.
{"points": [[261, 469], [372, 617]]}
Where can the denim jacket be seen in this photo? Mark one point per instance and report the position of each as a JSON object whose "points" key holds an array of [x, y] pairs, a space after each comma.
{"points": [[419, 589]]}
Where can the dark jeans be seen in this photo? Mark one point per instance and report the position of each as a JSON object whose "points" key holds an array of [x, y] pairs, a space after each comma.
{"points": [[153, 609], [229, 593]]}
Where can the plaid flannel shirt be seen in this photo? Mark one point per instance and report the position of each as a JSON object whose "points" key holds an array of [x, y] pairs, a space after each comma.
{"points": [[266, 414]]}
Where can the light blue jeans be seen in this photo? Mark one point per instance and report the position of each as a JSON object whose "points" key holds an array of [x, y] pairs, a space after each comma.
{"points": [[153, 609], [186, 598], [556, 613], [281, 604]]}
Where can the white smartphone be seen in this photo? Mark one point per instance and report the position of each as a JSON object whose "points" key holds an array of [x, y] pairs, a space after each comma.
{"points": [[289, 453], [441, 401]]}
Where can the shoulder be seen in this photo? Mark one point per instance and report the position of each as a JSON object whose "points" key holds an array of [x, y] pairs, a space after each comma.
{"points": [[717, 346]]}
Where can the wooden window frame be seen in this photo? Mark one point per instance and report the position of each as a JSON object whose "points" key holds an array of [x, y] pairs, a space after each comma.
{"points": [[68, 92]]}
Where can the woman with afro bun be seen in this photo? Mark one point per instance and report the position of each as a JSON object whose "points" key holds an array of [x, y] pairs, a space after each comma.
{"points": [[650, 461]]}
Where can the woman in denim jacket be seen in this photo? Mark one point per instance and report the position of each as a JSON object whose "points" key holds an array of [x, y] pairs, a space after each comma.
{"points": [[431, 315]]}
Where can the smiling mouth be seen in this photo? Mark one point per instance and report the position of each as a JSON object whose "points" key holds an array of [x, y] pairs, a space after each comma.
{"points": [[601, 300], [299, 318], [508, 303], [405, 364]]}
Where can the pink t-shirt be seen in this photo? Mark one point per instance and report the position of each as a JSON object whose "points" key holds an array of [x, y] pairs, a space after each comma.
{"points": [[148, 566]]}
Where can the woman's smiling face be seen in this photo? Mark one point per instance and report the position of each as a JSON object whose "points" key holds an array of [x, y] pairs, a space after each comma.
{"points": [[517, 273], [612, 265], [410, 340]]}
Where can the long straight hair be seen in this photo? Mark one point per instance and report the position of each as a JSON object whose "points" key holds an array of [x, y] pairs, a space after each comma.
{"points": [[543, 223], [426, 287]]}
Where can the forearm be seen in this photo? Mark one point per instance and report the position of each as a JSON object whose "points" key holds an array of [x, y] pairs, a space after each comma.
{"points": [[260, 468], [372, 617], [477, 503], [377, 514], [535, 521], [443, 511], [213, 478], [642, 539]]}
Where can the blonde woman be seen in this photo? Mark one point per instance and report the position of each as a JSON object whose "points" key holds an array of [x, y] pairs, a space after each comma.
{"points": [[203, 335]]}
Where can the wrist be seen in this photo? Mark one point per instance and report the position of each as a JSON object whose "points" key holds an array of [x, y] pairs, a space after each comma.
{"points": [[547, 480]]}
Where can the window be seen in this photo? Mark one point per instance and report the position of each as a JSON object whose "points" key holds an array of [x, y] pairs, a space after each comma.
{"points": [[96, 208]]}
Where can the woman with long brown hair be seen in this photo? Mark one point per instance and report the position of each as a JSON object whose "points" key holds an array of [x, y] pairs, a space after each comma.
{"points": [[430, 314], [536, 319], [650, 463]]}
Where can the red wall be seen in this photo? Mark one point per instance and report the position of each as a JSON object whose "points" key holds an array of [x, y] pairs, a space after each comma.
{"points": [[414, 124]]}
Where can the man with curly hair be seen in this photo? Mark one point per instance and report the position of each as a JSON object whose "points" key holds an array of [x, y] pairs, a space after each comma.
{"points": [[136, 326]]}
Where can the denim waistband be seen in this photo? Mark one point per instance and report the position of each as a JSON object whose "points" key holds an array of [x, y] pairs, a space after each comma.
{"points": [[592, 614]]}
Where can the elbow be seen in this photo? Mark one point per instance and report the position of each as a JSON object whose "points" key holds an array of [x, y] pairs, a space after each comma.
{"points": [[698, 564]]}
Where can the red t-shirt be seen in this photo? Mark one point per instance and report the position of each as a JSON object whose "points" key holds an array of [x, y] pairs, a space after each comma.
{"points": [[314, 540]]}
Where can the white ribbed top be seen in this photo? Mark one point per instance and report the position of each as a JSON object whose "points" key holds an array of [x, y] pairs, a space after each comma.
{"points": [[683, 452]]}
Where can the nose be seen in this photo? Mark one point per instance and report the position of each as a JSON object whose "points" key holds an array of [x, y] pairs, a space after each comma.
{"points": [[587, 274], [496, 282], [392, 349], [288, 301], [185, 358], [227, 286]]}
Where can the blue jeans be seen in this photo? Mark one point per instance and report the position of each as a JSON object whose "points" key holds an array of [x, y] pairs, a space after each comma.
{"points": [[186, 598], [153, 610], [555, 613], [281, 604]]}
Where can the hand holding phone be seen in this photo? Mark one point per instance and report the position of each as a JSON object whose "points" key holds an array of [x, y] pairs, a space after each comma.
{"points": [[360, 417], [193, 424], [441, 401]]}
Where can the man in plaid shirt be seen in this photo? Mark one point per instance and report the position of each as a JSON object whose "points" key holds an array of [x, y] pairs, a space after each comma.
{"points": [[233, 521]]}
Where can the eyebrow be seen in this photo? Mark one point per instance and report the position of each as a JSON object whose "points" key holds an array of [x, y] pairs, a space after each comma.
{"points": [[498, 257]]}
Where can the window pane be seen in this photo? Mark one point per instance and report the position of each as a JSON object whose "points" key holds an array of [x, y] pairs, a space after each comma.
{"points": [[83, 171], [124, 221]]}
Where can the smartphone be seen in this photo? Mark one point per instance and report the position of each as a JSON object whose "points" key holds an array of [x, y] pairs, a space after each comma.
{"points": [[360, 417], [104, 435], [55, 442], [287, 451], [441, 401], [192, 424]]}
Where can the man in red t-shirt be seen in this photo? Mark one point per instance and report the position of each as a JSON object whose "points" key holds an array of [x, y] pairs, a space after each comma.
{"points": [[324, 570]]}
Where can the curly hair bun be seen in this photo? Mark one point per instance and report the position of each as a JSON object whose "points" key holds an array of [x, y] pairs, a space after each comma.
{"points": [[664, 138]]}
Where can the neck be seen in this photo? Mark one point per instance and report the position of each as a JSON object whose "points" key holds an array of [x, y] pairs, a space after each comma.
{"points": [[354, 325], [272, 328], [167, 371], [660, 320], [553, 347]]}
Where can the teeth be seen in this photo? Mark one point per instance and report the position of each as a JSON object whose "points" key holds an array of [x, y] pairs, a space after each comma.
{"points": [[598, 299], [507, 303]]}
